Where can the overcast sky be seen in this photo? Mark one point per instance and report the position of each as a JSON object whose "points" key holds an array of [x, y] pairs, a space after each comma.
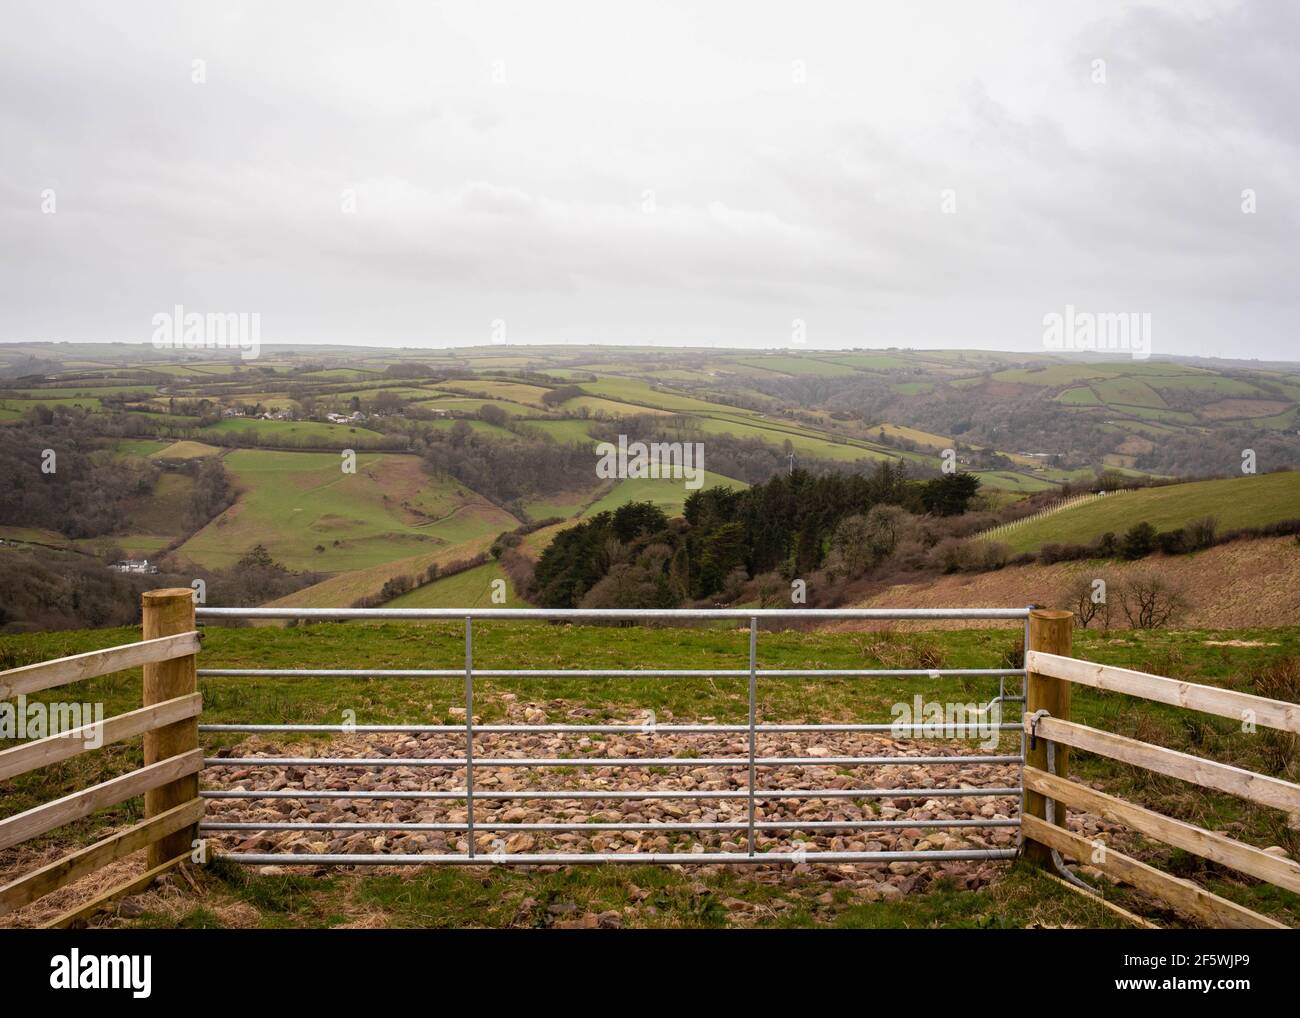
{"points": [[608, 172]]}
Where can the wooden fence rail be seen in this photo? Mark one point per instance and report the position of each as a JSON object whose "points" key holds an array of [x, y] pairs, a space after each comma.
{"points": [[61, 672], [1051, 670], [1226, 703], [168, 721], [1259, 788], [1207, 844]]}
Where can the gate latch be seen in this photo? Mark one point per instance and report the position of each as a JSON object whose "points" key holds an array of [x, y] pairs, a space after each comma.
{"points": [[1034, 718]]}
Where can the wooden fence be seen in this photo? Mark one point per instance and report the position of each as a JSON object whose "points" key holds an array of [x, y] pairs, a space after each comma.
{"points": [[168, 720], [1048, 726], [168, 780]]}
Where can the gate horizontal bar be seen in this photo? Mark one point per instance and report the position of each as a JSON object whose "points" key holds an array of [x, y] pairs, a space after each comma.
{"points": [[724, 825], [606, 673], [600, 761], [922, 728], [667, 614], [780, 793], [632, 858]]}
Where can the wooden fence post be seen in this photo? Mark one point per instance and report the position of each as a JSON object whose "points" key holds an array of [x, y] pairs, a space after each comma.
{"points": [[167, 612], [1049, 631]]}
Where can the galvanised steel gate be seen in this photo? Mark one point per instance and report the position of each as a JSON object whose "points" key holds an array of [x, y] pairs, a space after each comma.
{"points": [[752, 793]]}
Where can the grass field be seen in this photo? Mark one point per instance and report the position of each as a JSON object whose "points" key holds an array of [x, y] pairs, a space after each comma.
{"points": [[481, 427], [630, 390], [473, 404], [515, 392], [1010, 480], [568, 430], [867, 361], [1128, 392], [185, 450], [472, 588], [1239, 659], [668, 494], [925, 439], [1234, 502], [21, 406], [298, 433], [803, 442], [1204, 383], [608, 407], [343, 590], [1080, 395], [563, 503], [141, 447], [404, 391], [1053, 374], [312, 516], [788, 364]]}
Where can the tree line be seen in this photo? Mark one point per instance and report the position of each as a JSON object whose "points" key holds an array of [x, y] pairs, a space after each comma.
{"points": [[793, 524]]}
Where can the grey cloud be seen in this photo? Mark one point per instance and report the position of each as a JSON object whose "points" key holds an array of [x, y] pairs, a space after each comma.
{"points": [[772, 199]]}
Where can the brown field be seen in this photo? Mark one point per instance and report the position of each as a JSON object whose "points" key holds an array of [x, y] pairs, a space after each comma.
{"points": [[1228, 409], [1135, 445], [1245, 584]]}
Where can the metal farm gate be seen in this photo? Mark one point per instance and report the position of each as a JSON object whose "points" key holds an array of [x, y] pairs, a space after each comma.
{"points": [[752, 792]]}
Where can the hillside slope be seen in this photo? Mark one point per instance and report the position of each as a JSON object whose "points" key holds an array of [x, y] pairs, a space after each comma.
{"points": [[1234, 502], [312, 516], [1236, 585]]}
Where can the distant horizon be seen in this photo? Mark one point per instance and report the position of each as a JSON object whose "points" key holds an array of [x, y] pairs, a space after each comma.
{"points": [[718, 175], [1109, 356]]}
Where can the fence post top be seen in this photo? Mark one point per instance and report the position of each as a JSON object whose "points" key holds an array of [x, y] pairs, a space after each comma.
{"points": [[167, 593], [1050, 614]]}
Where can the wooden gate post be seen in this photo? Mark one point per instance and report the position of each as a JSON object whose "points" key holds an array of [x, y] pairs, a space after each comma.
{"points": [[1049, 631], [167, 612]]}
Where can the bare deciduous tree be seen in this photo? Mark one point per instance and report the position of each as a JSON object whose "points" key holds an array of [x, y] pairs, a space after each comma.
{"points": [[1088, 601], [1151, 600]]}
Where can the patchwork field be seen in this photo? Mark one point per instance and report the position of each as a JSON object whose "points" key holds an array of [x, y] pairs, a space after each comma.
{"points": [[312, 516], [842, 406]]}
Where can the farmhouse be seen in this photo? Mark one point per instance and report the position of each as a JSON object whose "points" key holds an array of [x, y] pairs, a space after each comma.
{"points": [[132, 565]]}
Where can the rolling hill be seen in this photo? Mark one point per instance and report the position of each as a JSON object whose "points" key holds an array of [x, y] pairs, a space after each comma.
{"points": [[1233, 502], [312, 516]]}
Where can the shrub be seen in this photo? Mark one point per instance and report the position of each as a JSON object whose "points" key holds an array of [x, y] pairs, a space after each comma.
{"points": [[1201, 532], [1139, 541], [1172, 542]]}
